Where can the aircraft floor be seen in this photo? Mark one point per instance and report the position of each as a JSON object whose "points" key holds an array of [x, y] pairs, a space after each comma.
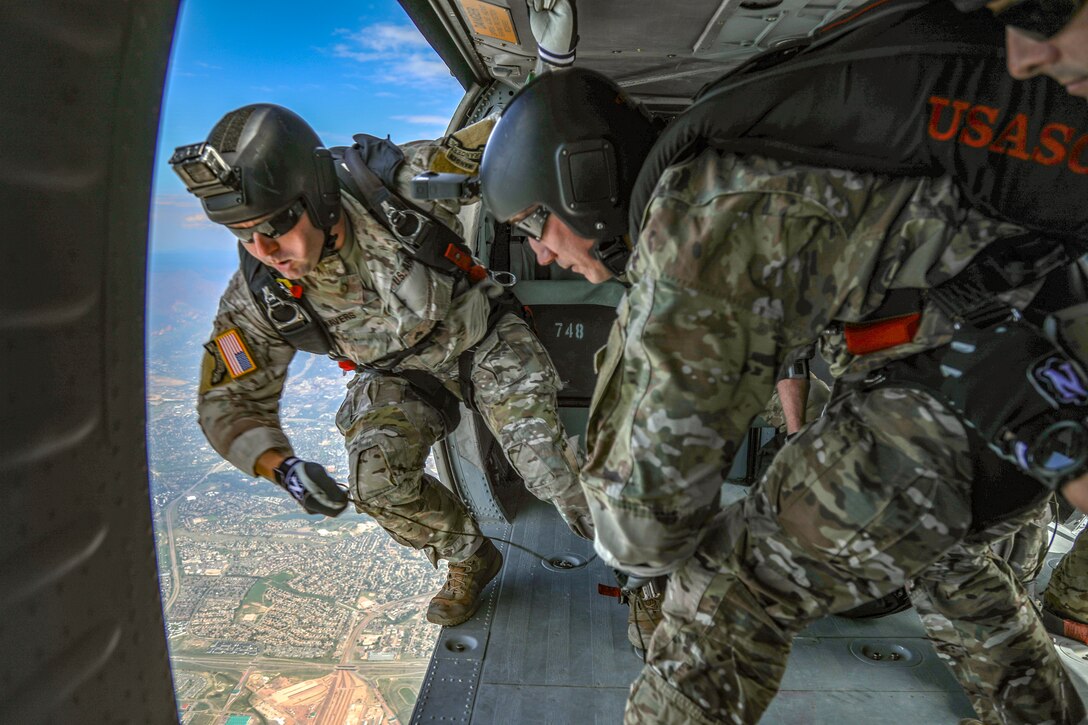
{"points": [[545, 647]]}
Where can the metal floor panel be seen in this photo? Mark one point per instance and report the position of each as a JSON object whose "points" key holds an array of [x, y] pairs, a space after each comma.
{"points": [[546, 648]]}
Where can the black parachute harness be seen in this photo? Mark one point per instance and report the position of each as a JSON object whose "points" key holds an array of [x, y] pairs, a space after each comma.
{"points": [[368, 509], [1022, 397], [367, 171]]}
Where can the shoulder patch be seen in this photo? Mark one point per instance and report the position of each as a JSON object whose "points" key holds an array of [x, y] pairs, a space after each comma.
{"points": [[234, 353], [213, 372], [462, 150]]}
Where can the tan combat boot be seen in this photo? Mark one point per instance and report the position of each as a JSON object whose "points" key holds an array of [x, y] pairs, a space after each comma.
{"points": [[644, 617], [459, 598]]}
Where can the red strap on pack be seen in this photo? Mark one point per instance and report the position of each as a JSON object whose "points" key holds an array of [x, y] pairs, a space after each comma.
{"points": [[347, 365], [1075, 630], [607, 591], [863, 338], [464, 261]]}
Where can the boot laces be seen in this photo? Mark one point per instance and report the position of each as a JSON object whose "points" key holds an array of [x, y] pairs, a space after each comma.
{"points": [[458, 574]]}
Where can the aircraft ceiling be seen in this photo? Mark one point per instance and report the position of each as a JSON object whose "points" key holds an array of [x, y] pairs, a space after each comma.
{"points": [[663, 52]]}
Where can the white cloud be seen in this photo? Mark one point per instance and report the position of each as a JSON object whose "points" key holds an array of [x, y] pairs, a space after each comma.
{"points": [[196, 221], [386, 37], [424, 120], [185, 201], [400, 53]]}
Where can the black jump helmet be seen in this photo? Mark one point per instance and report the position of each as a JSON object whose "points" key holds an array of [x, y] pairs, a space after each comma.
{"points": [[572, 142], [258, 160]]}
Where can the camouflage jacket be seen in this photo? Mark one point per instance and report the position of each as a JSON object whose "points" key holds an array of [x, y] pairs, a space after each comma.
{"points": [[741, 260], [373, 299]]}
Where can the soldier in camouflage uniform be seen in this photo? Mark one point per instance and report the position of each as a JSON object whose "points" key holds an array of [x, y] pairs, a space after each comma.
{"points": [[1064, 57], [741, 259], [376, 304]]}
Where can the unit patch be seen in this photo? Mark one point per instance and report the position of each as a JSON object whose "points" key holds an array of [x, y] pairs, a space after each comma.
{"points": [[212, 370], [235, 354], [462, 150]]}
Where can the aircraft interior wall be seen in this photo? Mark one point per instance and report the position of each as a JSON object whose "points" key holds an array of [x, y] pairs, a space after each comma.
{"points": [[81, 629]]}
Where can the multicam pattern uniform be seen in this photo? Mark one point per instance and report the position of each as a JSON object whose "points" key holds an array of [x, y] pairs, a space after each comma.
{"points": [[1067, 593], [374, 300], [739, 262]]}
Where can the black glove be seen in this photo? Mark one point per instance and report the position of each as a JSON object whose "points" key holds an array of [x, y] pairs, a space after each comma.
{"points": [[310, 485]]}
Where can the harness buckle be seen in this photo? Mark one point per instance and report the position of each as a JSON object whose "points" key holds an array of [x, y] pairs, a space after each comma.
{"points": [[285, 315], [407, 225]]}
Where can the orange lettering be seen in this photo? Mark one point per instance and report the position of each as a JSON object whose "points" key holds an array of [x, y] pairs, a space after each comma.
{"points": [[1055, 146], [976, 132], [1075, 155], [1015, 136], [939, 104]]}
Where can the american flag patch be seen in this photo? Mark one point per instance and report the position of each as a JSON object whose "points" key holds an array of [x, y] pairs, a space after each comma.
{"points": [[235, 353]]}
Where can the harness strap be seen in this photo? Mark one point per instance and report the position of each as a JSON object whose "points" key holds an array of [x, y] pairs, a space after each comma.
{"points": [[970, 298], [289, 313], [863, 338], [424, 238]]}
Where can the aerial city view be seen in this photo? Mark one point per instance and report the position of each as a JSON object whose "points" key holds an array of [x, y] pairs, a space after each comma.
{"points": [[273, 616]]}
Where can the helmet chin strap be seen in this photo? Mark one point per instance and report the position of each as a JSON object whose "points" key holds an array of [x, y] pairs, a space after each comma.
{"points": [[329, 247], [613, 254]]}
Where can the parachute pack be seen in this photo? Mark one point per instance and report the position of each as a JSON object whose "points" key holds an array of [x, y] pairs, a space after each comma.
{"points": [[904, 88]]}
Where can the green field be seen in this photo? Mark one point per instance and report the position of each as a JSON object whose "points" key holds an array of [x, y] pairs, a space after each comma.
{"points": [[401, 693], [255, 595]]}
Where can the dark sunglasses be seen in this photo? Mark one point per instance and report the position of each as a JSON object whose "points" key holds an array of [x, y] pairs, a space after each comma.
{"points": [[1040, 19], [533, 225], [274, 226]]}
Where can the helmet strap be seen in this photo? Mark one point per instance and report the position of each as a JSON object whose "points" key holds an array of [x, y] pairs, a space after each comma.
{"points": [[613, 254], [329, 247]]}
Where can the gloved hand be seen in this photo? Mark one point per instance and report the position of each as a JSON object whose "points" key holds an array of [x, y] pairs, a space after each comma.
{"points": [[629, 582], [575, 513], [555, 28], [310, 485]]}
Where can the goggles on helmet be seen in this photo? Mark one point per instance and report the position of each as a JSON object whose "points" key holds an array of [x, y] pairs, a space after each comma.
{"points": [[533, 225], [276, 225], [1040, 19]]}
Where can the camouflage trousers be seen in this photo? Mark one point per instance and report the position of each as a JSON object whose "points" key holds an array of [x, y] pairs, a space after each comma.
{"points": [[389, 430], [872, 497], [1025, 550], [1067, 592]]}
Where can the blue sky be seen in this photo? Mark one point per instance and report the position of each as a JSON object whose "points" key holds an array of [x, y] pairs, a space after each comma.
{"points": [[346, 67]]}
